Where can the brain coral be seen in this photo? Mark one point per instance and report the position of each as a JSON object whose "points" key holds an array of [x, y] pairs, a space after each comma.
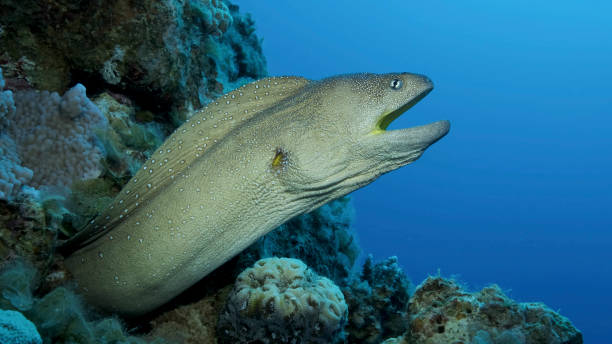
{"points": [[280, 300]]}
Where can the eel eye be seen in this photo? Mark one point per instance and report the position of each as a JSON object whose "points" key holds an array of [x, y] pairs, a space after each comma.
{"points": [[396, 84]]}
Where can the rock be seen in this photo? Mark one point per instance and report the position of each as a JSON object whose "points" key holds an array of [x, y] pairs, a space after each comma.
{"points": [[442, 312], [169, 54]]}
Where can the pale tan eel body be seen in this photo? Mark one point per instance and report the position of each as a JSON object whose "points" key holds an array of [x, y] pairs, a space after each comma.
{"points": [[240, 167]]}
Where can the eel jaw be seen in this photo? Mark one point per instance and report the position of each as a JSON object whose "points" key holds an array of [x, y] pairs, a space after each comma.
{"points": [[386, 118], [414, 138]]}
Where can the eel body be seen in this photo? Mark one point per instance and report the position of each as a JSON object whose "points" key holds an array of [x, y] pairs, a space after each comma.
{"points": [[240, 167]]}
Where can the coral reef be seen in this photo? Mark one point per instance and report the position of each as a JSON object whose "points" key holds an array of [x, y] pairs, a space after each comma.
{"points": [[16, 329], [442, 312], [323, 239], [127, 143], [280, 300], [173, 54], [149, 63], [377, 302]]}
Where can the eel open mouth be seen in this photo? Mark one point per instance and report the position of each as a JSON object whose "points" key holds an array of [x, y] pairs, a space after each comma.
{"points": [[425, 134], [386, 119]]}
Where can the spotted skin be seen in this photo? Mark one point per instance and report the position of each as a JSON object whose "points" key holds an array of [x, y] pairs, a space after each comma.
{"points": [[240, 167]]}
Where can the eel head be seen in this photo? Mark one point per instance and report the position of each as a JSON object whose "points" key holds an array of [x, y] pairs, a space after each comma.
{"points": [[346, 144]]}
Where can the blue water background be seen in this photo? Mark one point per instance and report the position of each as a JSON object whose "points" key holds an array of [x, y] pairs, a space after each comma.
{"points": [[520, 192]]}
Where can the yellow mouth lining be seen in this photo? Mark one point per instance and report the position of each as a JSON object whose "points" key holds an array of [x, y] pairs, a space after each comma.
{"points": [[386, 118]]}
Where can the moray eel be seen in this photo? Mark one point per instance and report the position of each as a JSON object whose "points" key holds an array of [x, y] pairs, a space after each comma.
{"points": [[240, 167]]}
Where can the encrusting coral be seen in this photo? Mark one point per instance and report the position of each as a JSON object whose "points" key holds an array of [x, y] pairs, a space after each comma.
{"points": [[12, 174], [25, 232], [280, 300]]}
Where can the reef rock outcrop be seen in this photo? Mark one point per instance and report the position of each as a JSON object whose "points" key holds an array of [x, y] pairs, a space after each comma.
{"points": [[441, 312], [173, 54]]}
